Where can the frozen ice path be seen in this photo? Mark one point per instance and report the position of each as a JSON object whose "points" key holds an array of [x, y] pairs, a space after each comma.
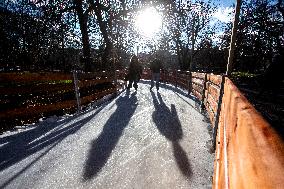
{"points": [[139, 139]]}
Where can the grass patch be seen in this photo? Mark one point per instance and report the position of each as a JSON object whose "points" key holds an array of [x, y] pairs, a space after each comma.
{"points": [[243, 74]]}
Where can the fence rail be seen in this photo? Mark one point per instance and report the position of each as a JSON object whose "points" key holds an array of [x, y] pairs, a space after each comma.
{"points": [[249, 152], [25, 97]]}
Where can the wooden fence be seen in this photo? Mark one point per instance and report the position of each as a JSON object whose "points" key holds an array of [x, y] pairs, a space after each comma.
{"points": [[25, 97], [249, 153]]}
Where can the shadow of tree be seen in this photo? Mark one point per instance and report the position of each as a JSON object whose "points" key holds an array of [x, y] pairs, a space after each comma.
{"points": [[169, 125], [102, 146], [19, 146]]}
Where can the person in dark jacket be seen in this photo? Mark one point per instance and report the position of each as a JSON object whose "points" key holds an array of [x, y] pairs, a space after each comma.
{"points": [[134, 72], [155, 66]]}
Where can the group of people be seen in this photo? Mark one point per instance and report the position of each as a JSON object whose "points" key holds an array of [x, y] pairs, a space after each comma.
{"points": [[135, 72]]}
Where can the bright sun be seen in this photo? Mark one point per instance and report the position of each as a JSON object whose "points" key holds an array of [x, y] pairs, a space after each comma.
{"points": [[148, 22]]}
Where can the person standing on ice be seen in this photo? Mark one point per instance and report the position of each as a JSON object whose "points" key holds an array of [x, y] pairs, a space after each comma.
{"points": [[134, 72], [155, 66]]}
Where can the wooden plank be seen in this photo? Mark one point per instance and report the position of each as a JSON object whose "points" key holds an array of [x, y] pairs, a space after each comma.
{"points": [[89, 83], [198, 75], [253, 151], [197, 94], [213, 104], [198, 81], [96, 96], [216, 79], [32, 89], [197, 88], [94, 75], [43, 88], [32, 77], [37, 110], [210, 113], [213, 90]]}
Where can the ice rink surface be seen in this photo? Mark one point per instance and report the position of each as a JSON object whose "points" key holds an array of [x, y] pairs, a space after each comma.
{"points": [[137, 140]]}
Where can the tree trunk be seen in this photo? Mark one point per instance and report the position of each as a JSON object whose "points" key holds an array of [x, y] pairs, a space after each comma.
{"points": [[83, 22], [178, 50], [105, 34], [191, 66]]}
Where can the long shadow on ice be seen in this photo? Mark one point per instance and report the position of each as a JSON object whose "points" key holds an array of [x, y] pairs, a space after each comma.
{"points": [[181, 93], [168, 124], [102, 146], [44, 137]]}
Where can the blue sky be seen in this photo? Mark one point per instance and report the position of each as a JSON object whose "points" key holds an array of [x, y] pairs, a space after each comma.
{"points": [[223, 9], [225, 3]]}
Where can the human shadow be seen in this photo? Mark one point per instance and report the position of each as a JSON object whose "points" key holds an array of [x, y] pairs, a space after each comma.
{"points": [[182, 94], [104, 144], [169, 125], [45, 136], [179, 91]]}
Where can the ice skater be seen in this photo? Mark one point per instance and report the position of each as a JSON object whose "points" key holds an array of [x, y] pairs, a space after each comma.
{"points": [[155, 66], [134, 73]]}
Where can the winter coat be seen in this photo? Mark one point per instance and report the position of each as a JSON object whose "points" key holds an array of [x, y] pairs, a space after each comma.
{"points": [[135, 71], [156, 66]]}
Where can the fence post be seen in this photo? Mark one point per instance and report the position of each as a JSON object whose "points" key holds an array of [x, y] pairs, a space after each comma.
{"points": [[175, 73], [203, 92], [217, 115], [189, 82], [76, 86], [114, 67], [115, 80], [124, 75]]}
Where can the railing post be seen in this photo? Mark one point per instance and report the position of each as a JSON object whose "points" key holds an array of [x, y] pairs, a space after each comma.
{"points": [[203, 92], [76, 86], [175, 73], [115, 80], [217, 115], [189, 82], [124, 75]]}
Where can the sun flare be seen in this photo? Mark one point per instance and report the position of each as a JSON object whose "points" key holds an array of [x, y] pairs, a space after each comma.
{"points": [[148, 22]]}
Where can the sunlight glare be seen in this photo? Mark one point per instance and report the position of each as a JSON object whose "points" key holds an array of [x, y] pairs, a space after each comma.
{"points": [[148, 22]]}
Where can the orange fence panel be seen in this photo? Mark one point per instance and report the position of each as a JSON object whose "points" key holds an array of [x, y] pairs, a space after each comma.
{"points": [[28, 77], [89, 83], [249, 152], [210, 112], [197, 81], [94, 75], [10, 90], [198, 75], [33, 95], [216, 79], [213, 90], [197, 88], [197, 94], [211, 101]]}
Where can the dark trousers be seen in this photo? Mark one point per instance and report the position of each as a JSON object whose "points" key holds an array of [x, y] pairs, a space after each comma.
{"points": [[133, 81], [156, 78]]}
